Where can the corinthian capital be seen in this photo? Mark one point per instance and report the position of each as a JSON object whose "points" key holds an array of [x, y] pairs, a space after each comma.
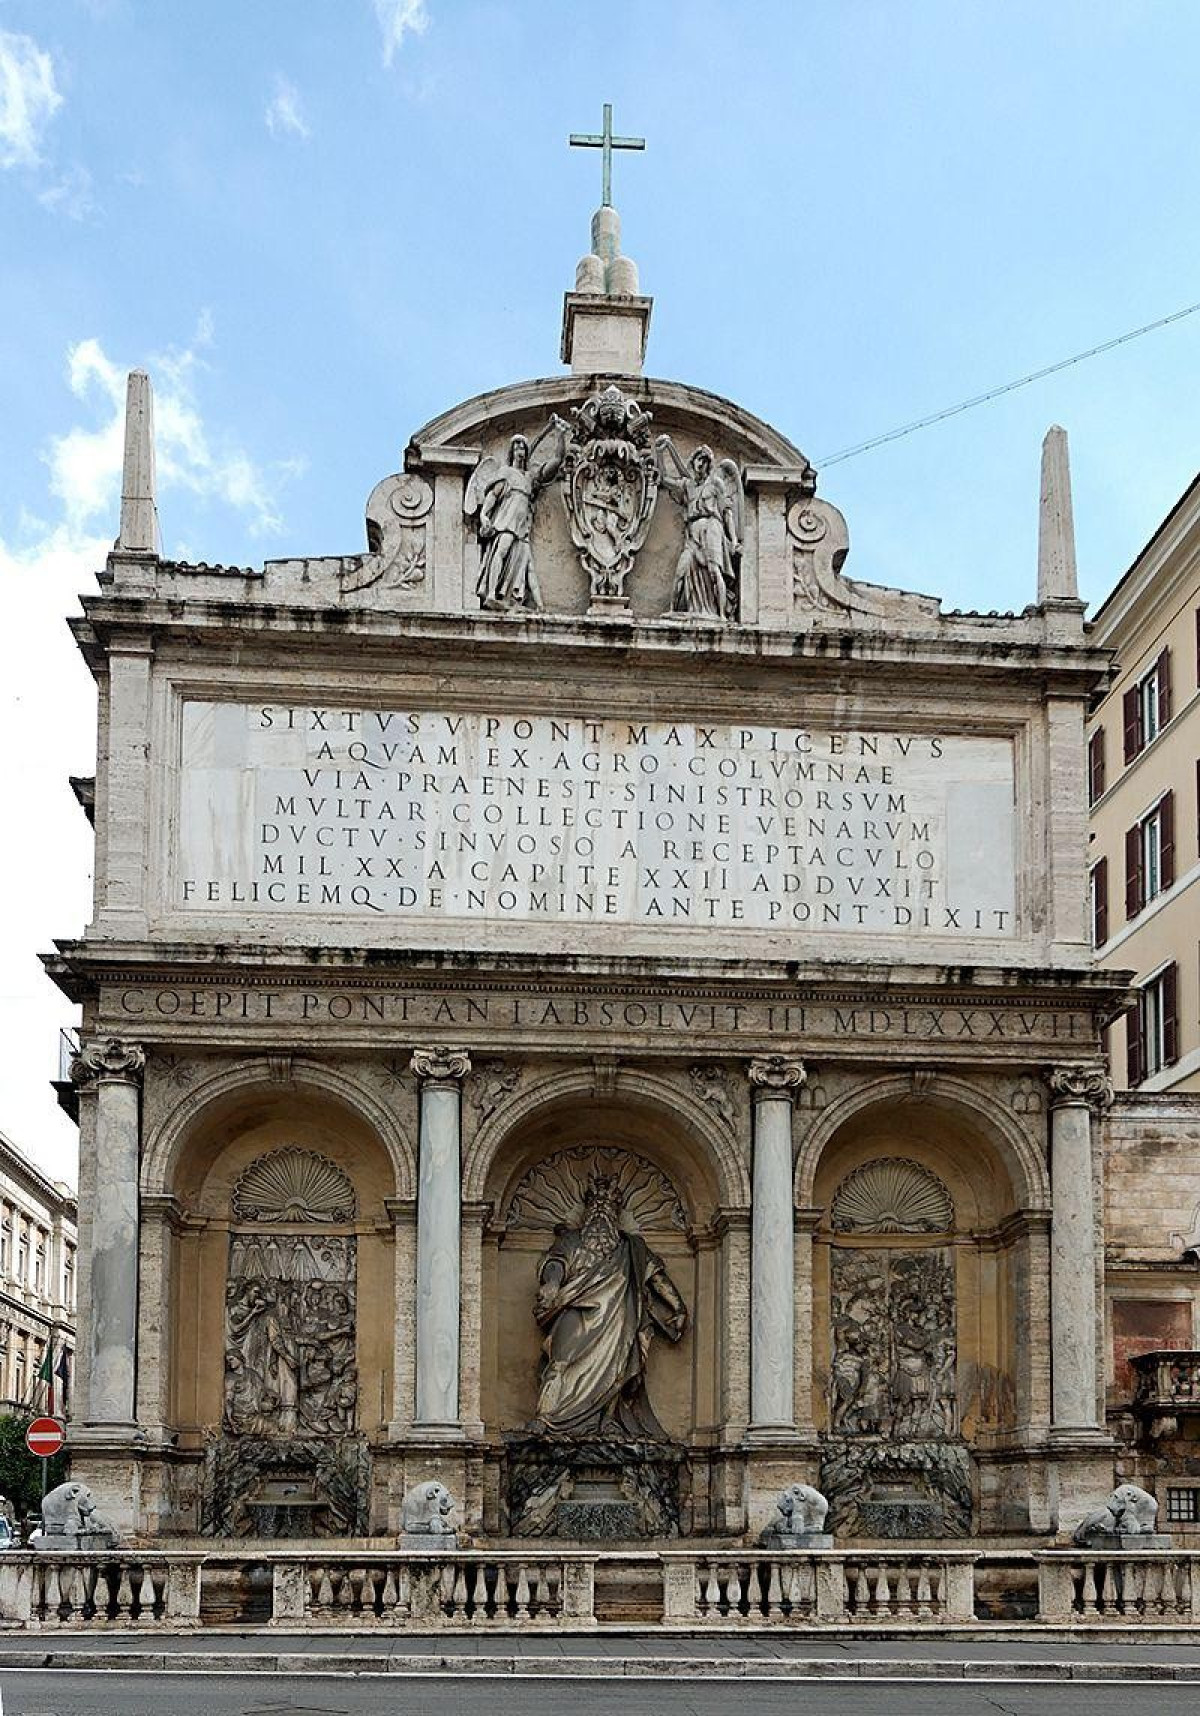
{"points": [[440, 1065], [775, 1075], [1089, 1086], [108, 1058]]}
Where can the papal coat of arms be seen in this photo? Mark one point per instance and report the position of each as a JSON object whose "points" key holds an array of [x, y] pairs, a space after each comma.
{"points": [[610, 483]]}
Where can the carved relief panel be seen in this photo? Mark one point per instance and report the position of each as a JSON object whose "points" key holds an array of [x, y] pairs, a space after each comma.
{"points": [[290, 1302]]}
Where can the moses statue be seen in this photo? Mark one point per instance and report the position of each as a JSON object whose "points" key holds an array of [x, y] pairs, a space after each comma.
{"points": [[602, 1296]]}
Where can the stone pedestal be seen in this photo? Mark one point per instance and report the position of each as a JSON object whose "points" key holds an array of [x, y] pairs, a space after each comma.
{"points": [[439, 1264]]}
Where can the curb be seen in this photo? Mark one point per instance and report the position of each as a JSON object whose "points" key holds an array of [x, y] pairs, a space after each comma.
{"points": [[594, 1667]]}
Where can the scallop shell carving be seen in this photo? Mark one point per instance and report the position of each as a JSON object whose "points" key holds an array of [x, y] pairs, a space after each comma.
{"points": [[293, 1185], [552, 1192], [892, 1196]]}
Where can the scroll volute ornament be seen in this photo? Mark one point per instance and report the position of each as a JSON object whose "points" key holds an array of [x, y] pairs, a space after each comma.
{"points": [[1087, 1085], [440, 1065], [108, 1057], [776, 1075]]}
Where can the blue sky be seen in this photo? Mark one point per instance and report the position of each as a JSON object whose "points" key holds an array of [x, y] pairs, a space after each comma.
{"points": [[320, 222]]}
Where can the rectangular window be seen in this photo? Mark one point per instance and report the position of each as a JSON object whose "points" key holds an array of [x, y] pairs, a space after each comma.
{"points": [[1153, 1026], [1098, 891], [1183, 1506], [1096, 769], [1150, 855], [1146, 707]]}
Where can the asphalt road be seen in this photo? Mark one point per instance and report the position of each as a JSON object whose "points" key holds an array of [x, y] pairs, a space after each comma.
{"points": [[103, 1693]]}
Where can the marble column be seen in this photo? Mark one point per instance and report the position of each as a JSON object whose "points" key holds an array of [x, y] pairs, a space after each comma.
{"points": [[439, 1238], [105, 1385], [775, 1080], [1074, 1302]]}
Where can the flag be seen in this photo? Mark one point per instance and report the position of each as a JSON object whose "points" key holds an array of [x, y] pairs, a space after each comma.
{"points": [[46, 1375]]}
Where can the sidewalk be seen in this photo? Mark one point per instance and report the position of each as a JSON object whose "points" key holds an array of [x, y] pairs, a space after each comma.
{"points": [[627, 1656]]}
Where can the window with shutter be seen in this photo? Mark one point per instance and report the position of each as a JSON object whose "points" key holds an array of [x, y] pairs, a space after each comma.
{"points": [[1169, 984], [1162, 678], [1096, 768], [1099, 881], [1133, 871], [1133, 1045], [1130, 711], [1165, 811]]}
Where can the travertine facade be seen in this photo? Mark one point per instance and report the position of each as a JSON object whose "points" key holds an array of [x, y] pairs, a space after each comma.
{"points": [[589, 876]]}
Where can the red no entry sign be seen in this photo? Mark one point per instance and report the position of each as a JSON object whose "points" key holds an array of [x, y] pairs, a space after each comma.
{"points": [[44, 1437]]}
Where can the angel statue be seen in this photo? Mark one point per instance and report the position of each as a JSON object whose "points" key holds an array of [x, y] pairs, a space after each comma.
{"points": [[711, 497], [503, 496]]}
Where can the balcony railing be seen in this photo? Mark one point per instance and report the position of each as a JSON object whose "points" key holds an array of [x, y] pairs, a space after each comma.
{"points": [[1168, 1382]]}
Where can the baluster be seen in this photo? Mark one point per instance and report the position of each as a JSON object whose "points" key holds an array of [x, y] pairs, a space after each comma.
{"points": [[446, 1576], [124, 1596], [50, 1597], [555, 1577], [323, 1588], [522, 1594], [403, 1604], [490, 1598], [924, 1592], [883, 1590], [344, 1591], [87, 1606], [388, 1595], [774, 1602], [734, 1590], [160, 1586], [712, 1591], [67, 1577], [458, 1597], [904, 1591]]}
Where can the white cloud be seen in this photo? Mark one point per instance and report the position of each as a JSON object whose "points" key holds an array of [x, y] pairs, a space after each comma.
{"points": [[85, 462], [285, 110], [397, 19], [29, 99], [71, 195]]}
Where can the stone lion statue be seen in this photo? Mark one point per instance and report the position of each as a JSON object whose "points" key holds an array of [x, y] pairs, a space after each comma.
{"points": [[426, 1510], [801, 1511], [1128, 1512], [68, 1515]]}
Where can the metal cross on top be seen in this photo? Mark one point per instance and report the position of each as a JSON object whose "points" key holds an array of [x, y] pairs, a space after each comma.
{"points": [[606, 142]]}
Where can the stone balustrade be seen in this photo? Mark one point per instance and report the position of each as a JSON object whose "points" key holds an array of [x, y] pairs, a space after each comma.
{"points": [[1100, 1586], [365, 1589], [87, 1591]]}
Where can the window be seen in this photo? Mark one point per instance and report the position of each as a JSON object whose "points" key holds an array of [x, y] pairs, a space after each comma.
{"points": [[39, 1268], [1183, 1506], [1152, 1026], [1146, 707], [1150, 855], [1096, 765], [1098, 898]]}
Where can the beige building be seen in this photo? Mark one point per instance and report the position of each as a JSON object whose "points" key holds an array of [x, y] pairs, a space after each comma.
{"points": [[37, 1286], [1143, 780]]}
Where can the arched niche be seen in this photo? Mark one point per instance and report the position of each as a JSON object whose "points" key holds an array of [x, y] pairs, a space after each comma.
{"points": [[678, 1222], [921, 1290], [244, 1132]]}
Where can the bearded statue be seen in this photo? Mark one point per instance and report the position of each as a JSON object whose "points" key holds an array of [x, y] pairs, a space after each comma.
{"points": [[602, 1296]]}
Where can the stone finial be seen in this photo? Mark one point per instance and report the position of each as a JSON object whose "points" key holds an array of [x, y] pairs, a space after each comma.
{"points": [[139, 509], [1057, 577], [605, 319], [776, 1076], [108, 1058], [440, 1065], [1087, 1086]]}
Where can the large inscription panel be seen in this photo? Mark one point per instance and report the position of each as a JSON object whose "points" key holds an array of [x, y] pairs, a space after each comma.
{"points": [[435, 815]]}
